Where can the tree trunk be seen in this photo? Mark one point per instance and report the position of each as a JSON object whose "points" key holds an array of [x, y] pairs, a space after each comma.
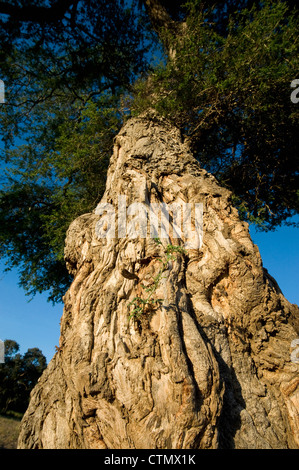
{"points": [[166, 28], [208, 363]]}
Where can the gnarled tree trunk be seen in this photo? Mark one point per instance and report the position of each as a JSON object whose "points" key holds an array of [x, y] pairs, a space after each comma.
{"points": [[207, 364]]}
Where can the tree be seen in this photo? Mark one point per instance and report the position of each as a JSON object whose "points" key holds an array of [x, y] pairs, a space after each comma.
{"points": [[167, 344], [18, 376], [70, 68]]}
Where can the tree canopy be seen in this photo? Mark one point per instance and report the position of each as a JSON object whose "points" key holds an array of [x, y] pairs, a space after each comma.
{"points": [[75, 70]]}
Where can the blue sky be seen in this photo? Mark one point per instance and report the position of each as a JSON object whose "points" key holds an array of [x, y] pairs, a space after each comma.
{"points": [[36, 324]]}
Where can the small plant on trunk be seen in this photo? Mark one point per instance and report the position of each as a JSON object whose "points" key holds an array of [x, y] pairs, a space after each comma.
{"points": [[140, 304]]}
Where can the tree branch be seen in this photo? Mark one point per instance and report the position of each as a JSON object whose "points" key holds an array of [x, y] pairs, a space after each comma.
{"points": [[158, 15], [163, 23]]}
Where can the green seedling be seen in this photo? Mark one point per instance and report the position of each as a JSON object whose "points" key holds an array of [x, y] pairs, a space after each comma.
{"points": [[140, 304]]}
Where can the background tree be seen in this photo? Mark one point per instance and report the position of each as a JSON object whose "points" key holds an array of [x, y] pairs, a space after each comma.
{"points": [[70, 66], [18, 376]]}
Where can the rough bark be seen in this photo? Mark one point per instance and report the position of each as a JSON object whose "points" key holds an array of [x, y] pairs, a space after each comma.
{"points": [[210, 367], [165, 27]]}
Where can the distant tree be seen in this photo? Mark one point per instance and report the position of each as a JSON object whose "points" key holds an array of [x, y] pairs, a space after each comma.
{"points": [[33, 365], [18, 376], [11, 348]]}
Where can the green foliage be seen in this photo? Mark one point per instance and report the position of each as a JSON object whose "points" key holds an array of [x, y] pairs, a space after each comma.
{"points": [[47, 186], [51, 69], [140, 304], [230, 96], [64, 81], [18, 376]]}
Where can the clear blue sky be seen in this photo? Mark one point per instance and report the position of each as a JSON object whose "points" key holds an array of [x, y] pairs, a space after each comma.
{"points": [[36, 324]]}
